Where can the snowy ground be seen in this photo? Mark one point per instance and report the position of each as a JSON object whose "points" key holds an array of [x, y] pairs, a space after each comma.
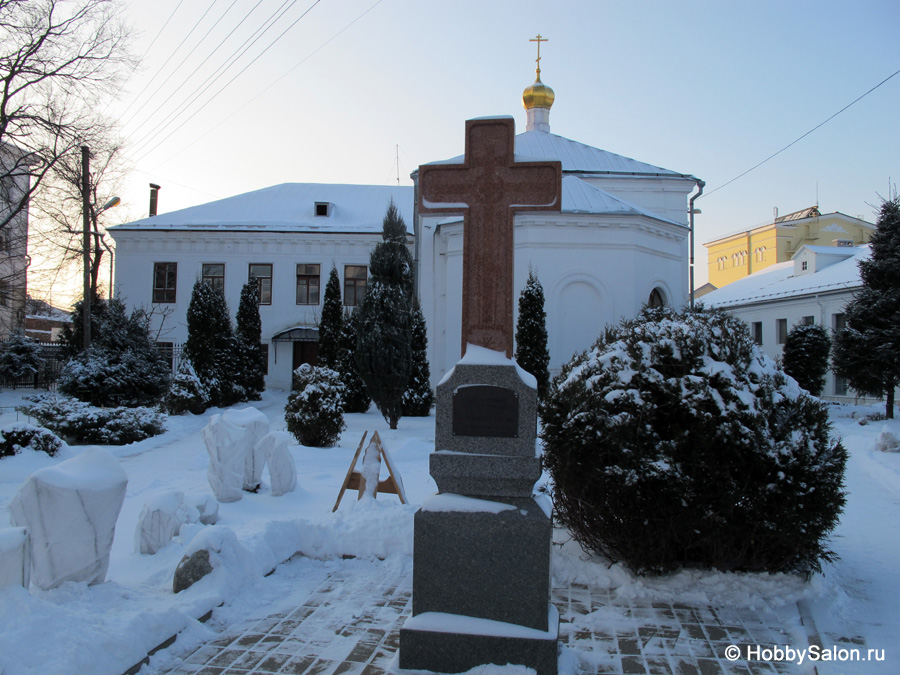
{"points": [[109, 627]]}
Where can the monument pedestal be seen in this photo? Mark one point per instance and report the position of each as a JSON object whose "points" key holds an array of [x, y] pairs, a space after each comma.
{"points": [[481, 574]]}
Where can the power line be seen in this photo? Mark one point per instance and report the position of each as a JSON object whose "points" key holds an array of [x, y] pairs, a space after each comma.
{"points": [[775, 154], [212, 79], [227, 84], [174, 51], [297, 65]]}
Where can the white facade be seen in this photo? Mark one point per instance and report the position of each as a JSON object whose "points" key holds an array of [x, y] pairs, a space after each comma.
{"points": [[814, 287], [622, 234], [275, 227]]}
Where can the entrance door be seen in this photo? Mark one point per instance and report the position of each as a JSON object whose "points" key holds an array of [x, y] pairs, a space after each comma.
{"points": [[305, 352]]}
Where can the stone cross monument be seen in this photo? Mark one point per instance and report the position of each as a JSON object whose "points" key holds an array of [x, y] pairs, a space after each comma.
{"points": [[481, 573]]}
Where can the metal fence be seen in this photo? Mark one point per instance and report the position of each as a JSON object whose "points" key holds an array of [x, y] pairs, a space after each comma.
{"points": [[52, 361]]}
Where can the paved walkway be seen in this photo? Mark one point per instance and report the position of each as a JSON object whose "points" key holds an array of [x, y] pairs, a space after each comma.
{"points": [[320, 638]]}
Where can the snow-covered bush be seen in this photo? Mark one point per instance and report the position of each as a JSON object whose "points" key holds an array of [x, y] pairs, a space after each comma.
{"points": [[122, 367], [674, 442], [186, 393], [805, 357], [80, 422], [19, 357], [15, 438], [315, 410]]}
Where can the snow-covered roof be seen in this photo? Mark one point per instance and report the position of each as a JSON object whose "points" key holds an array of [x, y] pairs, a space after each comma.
{"points": [[290, 207], [579, 196], [780, 282], [577, 157]]}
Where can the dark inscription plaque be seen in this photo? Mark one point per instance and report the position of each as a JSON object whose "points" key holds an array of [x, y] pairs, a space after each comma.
{"points": [[483, 410]]}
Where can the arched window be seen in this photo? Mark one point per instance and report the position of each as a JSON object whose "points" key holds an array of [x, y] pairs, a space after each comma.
{"points": [[656, 299]]}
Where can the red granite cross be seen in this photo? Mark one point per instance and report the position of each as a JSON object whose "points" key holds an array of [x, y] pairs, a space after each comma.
{"points": [[489, 187]]}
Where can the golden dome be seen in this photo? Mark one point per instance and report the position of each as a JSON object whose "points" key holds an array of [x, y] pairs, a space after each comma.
{"points": [[538, 95]]}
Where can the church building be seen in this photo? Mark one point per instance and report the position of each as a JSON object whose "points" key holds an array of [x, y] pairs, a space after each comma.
{"points": [[620, 241]]}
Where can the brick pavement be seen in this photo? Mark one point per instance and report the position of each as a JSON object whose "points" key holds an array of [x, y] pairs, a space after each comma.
{"points": [[600, 633]]}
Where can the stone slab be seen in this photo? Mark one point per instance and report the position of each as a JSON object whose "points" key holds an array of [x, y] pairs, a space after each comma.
{"points": [[458, 652], [485, 475], [481, 399], [485, 565]]}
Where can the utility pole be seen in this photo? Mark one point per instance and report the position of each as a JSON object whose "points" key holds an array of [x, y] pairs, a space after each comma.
{"points": [[86, 246]]}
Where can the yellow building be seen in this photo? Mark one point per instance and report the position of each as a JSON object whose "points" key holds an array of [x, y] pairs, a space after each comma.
{"points": [[740, 254]]}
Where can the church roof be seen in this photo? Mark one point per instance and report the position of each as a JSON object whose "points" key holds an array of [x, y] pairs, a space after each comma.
{"points": [[290, 207], [779, 281], [578, 196], [577, 157]]}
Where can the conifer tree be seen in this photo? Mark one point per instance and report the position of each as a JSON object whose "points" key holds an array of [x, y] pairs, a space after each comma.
{"points": [[532, 353], [210, 343], [867, 351], [805, 357], [418, 399], [73, 338], [356, 396], [331, 322], [248, 334], [383, 349]]}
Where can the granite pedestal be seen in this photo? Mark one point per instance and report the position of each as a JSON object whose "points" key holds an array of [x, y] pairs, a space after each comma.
{"points": [[481, 575]]}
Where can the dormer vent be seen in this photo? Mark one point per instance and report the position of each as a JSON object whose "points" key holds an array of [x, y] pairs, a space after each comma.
{"points": [[844, 243], [323, 208]]}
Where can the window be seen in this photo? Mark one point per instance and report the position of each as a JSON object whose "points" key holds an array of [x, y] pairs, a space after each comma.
{"points": [[761, 254], [214, 275], [167, 351], [808, 321], [4, 240], [322, 208], [838, 322], [756, 330], [780, 331], [7, 186], [307, 284], [164, 278], [264, 358], [656, 299], [4, 294], [354, 284], [262, 272], [804, 265], [841, 387]]}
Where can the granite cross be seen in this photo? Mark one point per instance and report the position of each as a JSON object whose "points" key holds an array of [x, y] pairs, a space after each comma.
{"points": [[489, 187]]}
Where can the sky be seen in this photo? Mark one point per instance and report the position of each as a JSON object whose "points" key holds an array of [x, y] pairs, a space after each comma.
{"points": [[364, 91]]}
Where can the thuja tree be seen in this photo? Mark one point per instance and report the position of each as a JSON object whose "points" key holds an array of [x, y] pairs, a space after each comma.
{"points": [[675, 442], [331, 324], [531, 334], [806, 351], [867, 351], [356, 396], [248, 334], [122, 367], [383, 349], [210, 344], [418, 399], [73, 337]]}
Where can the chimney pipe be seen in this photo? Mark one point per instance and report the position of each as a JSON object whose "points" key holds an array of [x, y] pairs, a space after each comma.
{"points": [[154, 196]]}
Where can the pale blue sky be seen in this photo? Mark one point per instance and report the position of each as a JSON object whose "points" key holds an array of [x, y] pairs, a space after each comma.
{"points": [[706, 88]]}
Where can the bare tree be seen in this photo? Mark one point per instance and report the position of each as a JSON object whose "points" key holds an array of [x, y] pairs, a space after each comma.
{"points": [[58, 60]]}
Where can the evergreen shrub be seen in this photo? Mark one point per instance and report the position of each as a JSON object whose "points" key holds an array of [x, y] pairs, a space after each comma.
{"points": [[674, 442], [81, 423], [806, 351], [186, 393], [15, 438], [20, 357], [315, 410]]}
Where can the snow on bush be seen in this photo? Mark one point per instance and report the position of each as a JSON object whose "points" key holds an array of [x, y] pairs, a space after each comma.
{"points": [[315, 410], [18, 437], [20, 357], [79, 422], [674, 442], [186, 393]]}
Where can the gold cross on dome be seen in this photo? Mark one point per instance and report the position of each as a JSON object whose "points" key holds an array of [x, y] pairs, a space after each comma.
{"points": [[539, 40]]}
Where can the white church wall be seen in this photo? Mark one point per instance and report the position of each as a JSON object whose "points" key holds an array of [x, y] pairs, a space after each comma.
{"points": [[594, 270], [667, 197]]}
